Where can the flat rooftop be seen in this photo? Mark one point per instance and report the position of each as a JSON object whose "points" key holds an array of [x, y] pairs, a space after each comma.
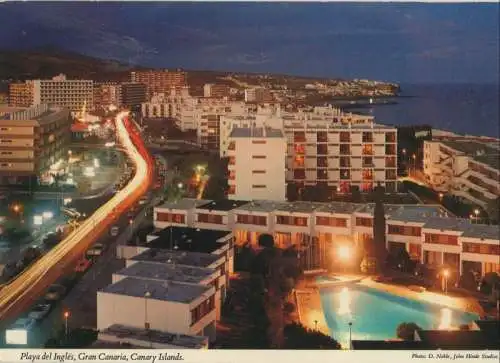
{"points": [[165, 272], [416, 213], [222, 205], [196, 259], [259, 132], [339, 207], [300, 207], [264, 206], [118, 332], [189, 239], [184, 204], [453, 224], [479, 151], [482, 231], [159, 290]]}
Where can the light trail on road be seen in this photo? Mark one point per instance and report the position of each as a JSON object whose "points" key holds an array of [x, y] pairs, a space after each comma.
{"points": [[19, 294]]}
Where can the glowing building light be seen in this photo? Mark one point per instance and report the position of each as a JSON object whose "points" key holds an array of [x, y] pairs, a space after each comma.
{"points": [[446, 318], [345, 302]]}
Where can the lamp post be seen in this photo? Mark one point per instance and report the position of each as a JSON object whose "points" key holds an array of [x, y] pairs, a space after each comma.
{"points": [[476, 215], [66, 316], [147, 295], [315, 325], [350, 335], [446, 274]]}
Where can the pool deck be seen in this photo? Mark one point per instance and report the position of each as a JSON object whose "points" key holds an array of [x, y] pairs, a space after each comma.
{"points": [[311, 314]]}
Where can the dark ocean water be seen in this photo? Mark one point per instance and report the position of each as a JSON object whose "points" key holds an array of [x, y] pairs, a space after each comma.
{"points": [[461, 108]]}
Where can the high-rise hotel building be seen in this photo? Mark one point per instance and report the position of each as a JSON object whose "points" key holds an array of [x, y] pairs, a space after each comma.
{"points": [[31, 140], [327, 146], [341, 155], [75, 95], [159, 81]]}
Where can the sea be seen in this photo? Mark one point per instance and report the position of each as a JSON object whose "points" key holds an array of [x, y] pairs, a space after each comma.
{"points": [[471, 109]]}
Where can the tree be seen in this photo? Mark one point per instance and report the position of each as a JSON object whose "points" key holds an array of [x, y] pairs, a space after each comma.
{"points": [[299, 337], [406, 331], [292, 192], [355, 194], [468, 281], [378, 250], [30, 255]]}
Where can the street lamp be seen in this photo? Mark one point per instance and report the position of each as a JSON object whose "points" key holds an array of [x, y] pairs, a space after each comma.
{"points": [[441, 195], [350, 335], [476, 214], [179, 185], [446, 274], [66, 316], [147, 295]]}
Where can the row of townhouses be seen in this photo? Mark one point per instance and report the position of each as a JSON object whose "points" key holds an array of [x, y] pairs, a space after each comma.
{"points": [[429, 234]]}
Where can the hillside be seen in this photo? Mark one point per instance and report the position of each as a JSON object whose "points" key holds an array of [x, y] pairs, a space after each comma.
{"points": [[46, 63]]}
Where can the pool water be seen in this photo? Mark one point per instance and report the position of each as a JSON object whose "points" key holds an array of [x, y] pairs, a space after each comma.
{"points": [[375, 314]]}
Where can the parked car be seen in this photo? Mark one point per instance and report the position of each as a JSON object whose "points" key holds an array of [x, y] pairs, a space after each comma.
{"points": [[39, 311], [114, 231], [95, 250], [55, 292], [82, 265]]}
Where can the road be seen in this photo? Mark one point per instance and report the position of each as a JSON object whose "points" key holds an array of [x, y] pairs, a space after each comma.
{"points": [[18, 295]]}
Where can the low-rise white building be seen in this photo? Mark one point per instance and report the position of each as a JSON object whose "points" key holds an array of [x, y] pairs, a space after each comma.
{"points": [[468, 169], [120, 336], [178, 273], [429, 234], [257, 164], [158, 305]]}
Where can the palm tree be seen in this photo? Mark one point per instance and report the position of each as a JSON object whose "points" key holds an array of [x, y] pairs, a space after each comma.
{"points": [[378, 249]]}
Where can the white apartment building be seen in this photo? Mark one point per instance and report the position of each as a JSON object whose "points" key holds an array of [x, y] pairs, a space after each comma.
{"points": [[75, 95], [258, 95], [170, 272], [257, 164], [31, 141], [166, 306], [428, 234], [328, 146], [120, 336], [467, 169]]}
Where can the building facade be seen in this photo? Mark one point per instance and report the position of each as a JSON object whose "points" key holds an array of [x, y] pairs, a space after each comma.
{"points": [[258, 95], [428, 233], [133, 94], [467, 169], [327, 146], [106, 95], [166, 306], [31, 140], [20, 94], [256, 170], [216, 90], [75, 95], [159, 81]]}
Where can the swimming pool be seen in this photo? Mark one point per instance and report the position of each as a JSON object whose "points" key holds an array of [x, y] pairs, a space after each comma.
{"points": [[375, 314]]}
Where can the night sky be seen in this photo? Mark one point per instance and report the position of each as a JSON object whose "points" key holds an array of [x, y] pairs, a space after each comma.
{"points": [[407, 43]]}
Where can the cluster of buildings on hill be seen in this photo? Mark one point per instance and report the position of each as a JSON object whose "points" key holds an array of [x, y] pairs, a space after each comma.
{"points": [[307, 147]]}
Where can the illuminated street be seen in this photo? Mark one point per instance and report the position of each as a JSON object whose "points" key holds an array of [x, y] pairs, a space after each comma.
{"points": [[18, 295]]}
